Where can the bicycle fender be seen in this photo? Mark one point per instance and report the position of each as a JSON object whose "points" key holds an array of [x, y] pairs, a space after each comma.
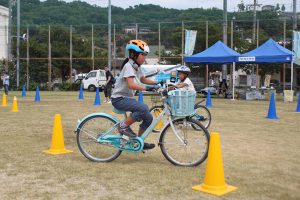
{"points": [[97, 114]]}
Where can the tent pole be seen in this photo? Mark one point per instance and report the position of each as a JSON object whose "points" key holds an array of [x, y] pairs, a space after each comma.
{"points": [[292, 66], [283, 76], [206, 76], [257, 79], [233, 79]]}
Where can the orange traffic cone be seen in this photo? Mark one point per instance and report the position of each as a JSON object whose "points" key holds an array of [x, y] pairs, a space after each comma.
{"points": [[214, 181], [15, 105], [4, 103], [57, 145]]}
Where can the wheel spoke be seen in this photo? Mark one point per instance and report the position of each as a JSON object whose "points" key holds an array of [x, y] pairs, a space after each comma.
{"points": [[195, 147], [88, 133]]}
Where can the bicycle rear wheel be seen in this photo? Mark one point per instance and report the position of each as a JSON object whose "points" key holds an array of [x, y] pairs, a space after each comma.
{"points": [[194, 148], [202, 114], [88, 132]]}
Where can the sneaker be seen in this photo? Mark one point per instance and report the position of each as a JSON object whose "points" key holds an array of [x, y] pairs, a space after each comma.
{"points": [[148, 146], [105, 101], [126, 131], [109, 101]]}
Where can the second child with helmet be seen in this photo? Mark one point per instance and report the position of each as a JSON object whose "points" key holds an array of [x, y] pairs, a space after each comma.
{"points": [[184, 82], [123, 93]]}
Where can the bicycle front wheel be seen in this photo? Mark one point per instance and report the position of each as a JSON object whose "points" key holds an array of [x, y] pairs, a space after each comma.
{"points": [[202, 114], [192, 147], [87, 134]]}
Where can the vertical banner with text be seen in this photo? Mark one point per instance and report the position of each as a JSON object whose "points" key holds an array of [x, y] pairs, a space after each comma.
{"points": [[190, 40], [296, 47]]}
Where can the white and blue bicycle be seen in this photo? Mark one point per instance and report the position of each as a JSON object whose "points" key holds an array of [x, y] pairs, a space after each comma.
{"points": [[183, 141]]}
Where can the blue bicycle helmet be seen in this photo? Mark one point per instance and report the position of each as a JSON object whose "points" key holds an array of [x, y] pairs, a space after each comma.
{"points": [[138, 46]]}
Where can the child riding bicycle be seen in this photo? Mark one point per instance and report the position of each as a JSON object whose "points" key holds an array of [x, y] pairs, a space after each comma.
{"points": [[184, 83], [122, 95]]}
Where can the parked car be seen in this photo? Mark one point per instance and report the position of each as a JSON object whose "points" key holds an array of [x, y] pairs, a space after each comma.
{"points": [[95, 78], [213, 91]]}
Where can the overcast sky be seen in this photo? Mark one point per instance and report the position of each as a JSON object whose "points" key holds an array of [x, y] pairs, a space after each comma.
{"points": [[185, 4]]}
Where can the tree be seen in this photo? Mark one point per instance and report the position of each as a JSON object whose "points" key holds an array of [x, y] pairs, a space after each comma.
{"points": [[241, 6], [277, 8], [282, 8]]}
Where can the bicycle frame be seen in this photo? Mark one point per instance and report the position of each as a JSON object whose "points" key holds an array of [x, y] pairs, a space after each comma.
{"points": [[116, 140]]}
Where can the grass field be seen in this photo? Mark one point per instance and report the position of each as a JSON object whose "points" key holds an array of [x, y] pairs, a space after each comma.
{"points": [[260, 156]]}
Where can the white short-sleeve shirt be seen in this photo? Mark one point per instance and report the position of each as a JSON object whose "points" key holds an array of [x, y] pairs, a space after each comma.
{"points": [[121, 88], [189, 85]]}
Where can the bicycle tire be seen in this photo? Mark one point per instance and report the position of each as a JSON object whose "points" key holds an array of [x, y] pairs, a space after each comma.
{"points": [[169, 154], [88, 152]]}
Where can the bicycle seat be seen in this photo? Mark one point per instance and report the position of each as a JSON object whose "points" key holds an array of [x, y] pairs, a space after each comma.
{"points": [[118, 111]]}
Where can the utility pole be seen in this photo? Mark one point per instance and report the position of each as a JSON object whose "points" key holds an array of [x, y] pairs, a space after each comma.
{"points": [[257, 44], [294, 28], [182, 41], [71, 53], [136, 31], [115, 51], [9, 32], [27, 66], [254, 5], [294, 15], [284, 39], [49, 58], [159, 59], [224, 67], [254, 20], [18, 43], [93, 48], [109, 35], [206, 46]]}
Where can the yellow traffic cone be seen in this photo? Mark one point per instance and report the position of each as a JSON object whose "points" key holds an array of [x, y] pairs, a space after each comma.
{"points": [[57, 145], [214, 181], [15, 105], [160, 124], [4, 103]]}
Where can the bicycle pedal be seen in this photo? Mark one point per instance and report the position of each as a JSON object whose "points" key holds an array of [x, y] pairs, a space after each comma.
{"points": [[144, 151]]}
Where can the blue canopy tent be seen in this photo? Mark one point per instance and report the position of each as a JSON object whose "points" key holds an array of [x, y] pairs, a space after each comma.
{"points": [[268, 52], [218, 53]]}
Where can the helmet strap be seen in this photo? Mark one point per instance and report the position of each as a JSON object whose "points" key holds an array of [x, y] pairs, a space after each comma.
{"points": [[134, 64]]}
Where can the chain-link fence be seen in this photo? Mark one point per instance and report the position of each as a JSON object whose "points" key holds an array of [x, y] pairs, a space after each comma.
{"points": [[54, 52]]}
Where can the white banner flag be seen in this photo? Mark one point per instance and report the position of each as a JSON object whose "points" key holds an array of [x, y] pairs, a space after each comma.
{"points": [[190, 40], [296, 47]]}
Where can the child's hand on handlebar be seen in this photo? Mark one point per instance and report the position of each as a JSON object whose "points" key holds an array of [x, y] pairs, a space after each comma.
{"points": [[152, 88]]}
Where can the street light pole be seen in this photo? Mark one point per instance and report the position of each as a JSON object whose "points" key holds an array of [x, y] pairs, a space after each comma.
{"points": [[109, 35], [294, 15], [9, 32], [18, 43], [224, 67]]}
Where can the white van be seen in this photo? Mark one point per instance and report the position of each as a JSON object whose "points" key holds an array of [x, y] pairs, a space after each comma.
{"points": [[95, 78]]}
